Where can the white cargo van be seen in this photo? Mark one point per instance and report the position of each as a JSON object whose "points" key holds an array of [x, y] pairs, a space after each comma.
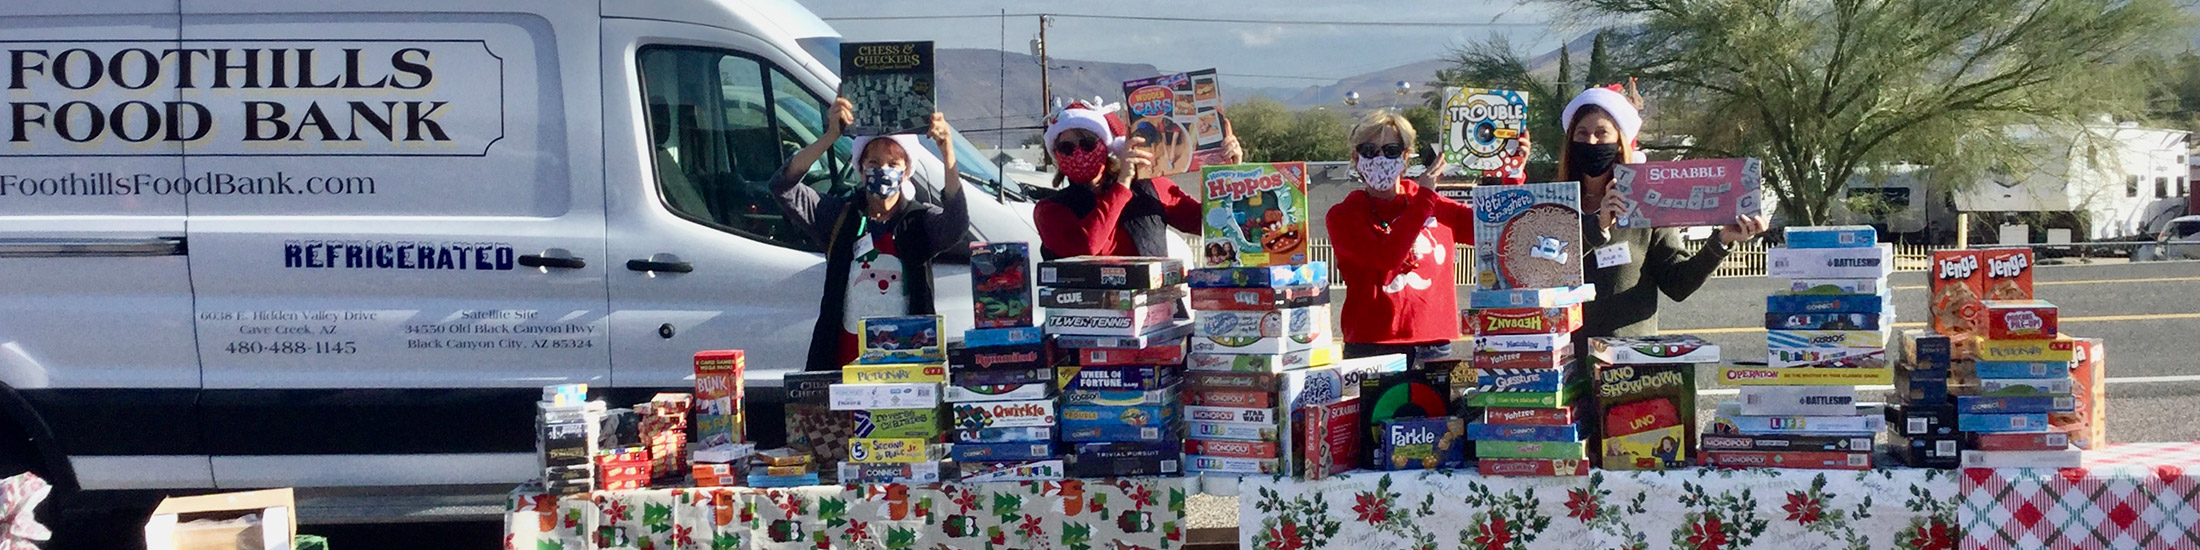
{"points": [[315, 243]]}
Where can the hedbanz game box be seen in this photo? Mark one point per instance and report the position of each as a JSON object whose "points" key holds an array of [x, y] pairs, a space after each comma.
{"points": [[1254, 215], [1688, 192]]}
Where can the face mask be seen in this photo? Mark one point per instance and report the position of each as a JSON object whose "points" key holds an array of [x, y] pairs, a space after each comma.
{"points": [[1085, 165], [1381, 173], [882, 181], [1592, 160]]}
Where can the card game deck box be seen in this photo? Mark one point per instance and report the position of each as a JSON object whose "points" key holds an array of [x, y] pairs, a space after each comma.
{"points": [[718, 395]]}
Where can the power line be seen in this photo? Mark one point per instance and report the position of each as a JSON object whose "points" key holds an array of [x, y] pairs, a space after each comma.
{"points": [[1243, 75], [1226, 20]]}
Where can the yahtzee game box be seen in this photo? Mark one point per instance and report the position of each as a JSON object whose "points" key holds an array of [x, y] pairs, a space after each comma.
{"points": [[1255, 215], [1527, 236], [1483, 131], [891, 85]]}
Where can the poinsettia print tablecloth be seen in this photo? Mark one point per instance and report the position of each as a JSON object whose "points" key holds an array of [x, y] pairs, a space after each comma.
{"points": [[1112, 514], [1693, 509], [2133, 495]]}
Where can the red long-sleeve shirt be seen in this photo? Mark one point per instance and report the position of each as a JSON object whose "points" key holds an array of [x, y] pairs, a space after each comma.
{"points": [[1398, 283], [1098, 232]]}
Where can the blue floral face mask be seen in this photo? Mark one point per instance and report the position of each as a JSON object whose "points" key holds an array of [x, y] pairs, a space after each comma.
{"points": [[883, 181]]}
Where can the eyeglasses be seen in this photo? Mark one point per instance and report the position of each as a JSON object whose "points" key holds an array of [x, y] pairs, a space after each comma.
{"points": [[1067, 147], [1388, 150]]}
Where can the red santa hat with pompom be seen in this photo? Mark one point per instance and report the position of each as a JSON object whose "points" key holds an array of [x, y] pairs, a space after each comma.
{"points": [[1103, 120]]}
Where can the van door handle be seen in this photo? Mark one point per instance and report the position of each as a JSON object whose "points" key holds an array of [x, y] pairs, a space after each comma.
{"points": [[667, 267], [538, 260]]}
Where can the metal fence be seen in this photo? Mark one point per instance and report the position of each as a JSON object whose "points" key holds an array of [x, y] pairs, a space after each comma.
{"points": [[1742, 260]]}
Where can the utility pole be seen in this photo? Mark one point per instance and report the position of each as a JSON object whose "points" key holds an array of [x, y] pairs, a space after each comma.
{"points": [[1046, 87]]}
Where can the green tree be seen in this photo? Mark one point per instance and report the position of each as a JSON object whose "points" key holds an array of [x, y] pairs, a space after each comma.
{"points": [[1601, 71], [1566, 68], [1271, 132], [1826, 89]]}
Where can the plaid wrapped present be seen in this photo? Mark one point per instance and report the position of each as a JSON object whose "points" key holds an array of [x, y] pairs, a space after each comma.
{"points": [[2132, 495]]}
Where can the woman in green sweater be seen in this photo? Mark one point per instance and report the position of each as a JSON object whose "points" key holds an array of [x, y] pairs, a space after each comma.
{"points": [[1601, 127]]}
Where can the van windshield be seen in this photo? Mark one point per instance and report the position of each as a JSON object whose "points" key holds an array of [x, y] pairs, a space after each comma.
{"points": [[969, 159]]}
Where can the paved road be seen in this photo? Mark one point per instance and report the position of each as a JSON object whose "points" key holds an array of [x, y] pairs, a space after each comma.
{"points": [[2148, 312]]}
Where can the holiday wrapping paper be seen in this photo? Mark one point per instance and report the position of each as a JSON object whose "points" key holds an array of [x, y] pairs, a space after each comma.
{"points": [[2132, 495], [1694, 509], [1091, 514]]}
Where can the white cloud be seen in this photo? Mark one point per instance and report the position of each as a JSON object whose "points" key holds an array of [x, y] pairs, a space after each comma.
{"points": [[1262, 36]]}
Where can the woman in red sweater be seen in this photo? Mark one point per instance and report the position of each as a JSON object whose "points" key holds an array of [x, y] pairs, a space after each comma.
{"points": [[1103, 209], [1394, 245]]}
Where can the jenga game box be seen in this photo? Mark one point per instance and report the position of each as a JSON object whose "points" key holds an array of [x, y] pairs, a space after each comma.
{"points": [[1649, 414], [2087, 426], [1963, 280], [718, 394]]}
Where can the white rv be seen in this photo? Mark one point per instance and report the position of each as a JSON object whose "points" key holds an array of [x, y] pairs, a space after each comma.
{"points": [[2121, 182], [313, 243]]}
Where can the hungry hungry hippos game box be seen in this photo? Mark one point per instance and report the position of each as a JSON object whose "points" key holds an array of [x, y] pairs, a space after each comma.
{"points": [[1254, 215]]}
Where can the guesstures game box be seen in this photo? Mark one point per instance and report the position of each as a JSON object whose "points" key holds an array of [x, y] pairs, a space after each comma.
{"points": [[1529, 236], [1688, 192], [891, 84], [1254, 215]]}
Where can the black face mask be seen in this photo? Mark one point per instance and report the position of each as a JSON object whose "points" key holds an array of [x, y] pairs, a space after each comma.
{"points": [[1591, 161]]}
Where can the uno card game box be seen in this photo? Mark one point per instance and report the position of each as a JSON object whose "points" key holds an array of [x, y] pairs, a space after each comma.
{"points": [[1685, 193], [1649, 415], [911, 339], [1000, 284], [1872, 262], [1653, 350], [1840, 236], [1499, 321], [999, 392], [1275, 276], [1422, 443], [2021, 320], [1529, 237], [1101, 298], [1112, 272], [718, 396], [1254, 215]]}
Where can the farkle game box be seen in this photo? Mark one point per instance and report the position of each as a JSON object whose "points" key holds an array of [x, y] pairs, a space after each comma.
{"points": [[1254, 215]]}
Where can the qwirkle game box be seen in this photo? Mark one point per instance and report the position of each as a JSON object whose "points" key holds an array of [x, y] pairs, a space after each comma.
{"points": [[1255, 215], [892, 85]]}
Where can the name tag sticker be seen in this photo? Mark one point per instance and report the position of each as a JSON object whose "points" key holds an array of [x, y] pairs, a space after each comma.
{"points": [[1616, 254]]}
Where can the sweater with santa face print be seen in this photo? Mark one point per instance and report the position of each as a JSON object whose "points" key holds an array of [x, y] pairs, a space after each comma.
{"points": [[1396, 258]]}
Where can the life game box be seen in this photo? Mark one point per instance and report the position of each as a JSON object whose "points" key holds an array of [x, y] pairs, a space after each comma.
{"points": [[1000, 284], [1688, 192], [1254, 215], [1530, 236]]}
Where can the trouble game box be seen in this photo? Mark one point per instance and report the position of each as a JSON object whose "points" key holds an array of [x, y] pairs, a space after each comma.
{"points": [[1254, 215]]}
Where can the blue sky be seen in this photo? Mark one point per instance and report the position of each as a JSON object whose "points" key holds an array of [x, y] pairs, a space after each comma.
{"points": [[1325, 52]]}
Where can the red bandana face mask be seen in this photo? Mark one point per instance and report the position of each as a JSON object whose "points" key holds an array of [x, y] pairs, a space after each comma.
{"points": [[1084, 166]]}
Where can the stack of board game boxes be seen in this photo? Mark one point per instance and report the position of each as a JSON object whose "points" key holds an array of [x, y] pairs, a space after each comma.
{"points": [[1646, 399], [722, 450], [1001, 386], [893, 391], [1921, 415], [1530, 382], [1119, 406], [1826, 333], [566, 430], [1253, 324], [2019, 392]]}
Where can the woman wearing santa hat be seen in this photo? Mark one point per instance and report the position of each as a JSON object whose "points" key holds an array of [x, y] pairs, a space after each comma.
{"points": [[879, 239], [1104, 209], [1601, 128]]}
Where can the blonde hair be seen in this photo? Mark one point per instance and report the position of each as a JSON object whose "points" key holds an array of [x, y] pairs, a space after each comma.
{"points": [[1374, 123]]}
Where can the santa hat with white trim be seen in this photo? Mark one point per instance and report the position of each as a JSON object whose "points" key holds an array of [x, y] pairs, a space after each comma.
{"points": [[1102, 120]]}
